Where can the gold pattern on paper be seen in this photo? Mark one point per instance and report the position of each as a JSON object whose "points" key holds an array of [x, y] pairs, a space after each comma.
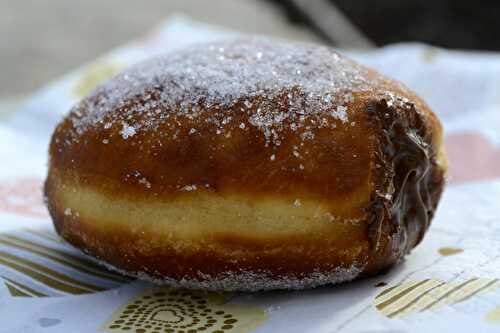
{"points": [[419, 296], [30, 267], [449, 251], [493, 317], [170, 310], [94, 75]]}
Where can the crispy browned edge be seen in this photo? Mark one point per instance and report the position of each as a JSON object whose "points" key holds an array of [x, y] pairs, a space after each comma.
{"points": [[392, 227]]}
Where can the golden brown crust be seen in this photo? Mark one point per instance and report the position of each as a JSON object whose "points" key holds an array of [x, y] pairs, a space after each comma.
{"points": [[241, 160], [377, 168]]}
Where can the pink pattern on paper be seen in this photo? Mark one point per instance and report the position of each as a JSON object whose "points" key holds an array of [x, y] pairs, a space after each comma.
{"points": [[471, 157], [22, 196]]}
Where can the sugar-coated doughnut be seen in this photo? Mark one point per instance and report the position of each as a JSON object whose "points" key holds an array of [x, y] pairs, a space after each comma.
{"points": [[248, 164]]}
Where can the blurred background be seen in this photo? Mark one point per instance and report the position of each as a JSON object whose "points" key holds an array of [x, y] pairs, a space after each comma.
{"points": [[40, 40]]}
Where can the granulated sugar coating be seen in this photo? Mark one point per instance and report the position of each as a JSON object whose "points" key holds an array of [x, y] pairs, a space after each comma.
{"points": [[316, 83]]}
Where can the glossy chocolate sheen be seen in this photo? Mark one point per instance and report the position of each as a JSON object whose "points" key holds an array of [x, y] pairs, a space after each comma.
{"points": [[379, 164]]}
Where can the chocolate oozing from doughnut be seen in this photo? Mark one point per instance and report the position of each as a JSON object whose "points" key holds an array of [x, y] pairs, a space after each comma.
{"points": [[247, 165], [400, 222]]}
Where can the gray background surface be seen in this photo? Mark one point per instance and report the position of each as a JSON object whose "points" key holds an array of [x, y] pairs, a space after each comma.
{"points": [[42, 39]]}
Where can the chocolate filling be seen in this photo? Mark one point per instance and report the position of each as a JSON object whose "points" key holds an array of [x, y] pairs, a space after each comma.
{"points": [[404, 205]]}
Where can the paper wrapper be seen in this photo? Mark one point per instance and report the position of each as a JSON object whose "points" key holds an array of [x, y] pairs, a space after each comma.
{"points": [[449, 282]]}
